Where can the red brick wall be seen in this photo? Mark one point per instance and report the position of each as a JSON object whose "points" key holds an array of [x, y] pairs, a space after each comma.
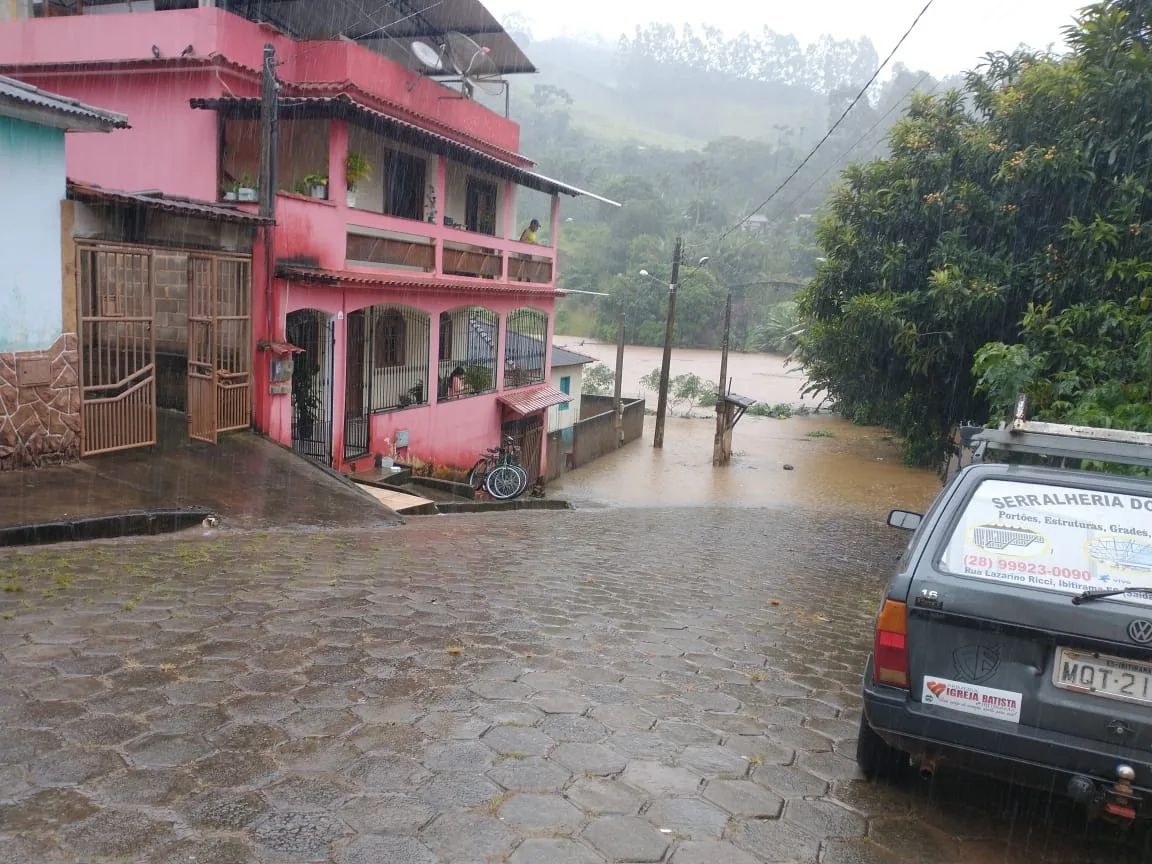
{"points": [[39, 425]]}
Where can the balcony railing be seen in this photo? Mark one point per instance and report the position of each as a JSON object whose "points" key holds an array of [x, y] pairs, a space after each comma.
{"points": [[338, 238]]}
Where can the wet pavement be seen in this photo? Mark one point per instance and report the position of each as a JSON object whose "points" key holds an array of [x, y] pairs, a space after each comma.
{"points": [[181, 473], [628, 685]]}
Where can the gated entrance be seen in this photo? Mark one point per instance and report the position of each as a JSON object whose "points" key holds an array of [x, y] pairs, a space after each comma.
{"points": [[116, 293], [219, 345], [357, 417], [312, 384], [117, 349], [528, 435]]}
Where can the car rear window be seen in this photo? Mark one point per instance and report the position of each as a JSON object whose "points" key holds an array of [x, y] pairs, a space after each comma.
{"points": [[1058, 538]]}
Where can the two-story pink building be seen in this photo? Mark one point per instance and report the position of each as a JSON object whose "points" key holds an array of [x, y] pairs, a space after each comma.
{"points": [[395, 261]]}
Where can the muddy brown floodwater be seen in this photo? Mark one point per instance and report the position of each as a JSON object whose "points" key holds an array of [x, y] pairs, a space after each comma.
{"points": [[763, 377], [831, 464]]}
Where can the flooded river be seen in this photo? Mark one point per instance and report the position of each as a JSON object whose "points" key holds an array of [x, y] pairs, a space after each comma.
{"points": [[763, 377], [818, 461]]}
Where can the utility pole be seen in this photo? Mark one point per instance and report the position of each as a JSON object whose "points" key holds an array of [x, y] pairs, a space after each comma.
{"points": [[269, 111], [617, 407], [720, 451], [665, 366]]}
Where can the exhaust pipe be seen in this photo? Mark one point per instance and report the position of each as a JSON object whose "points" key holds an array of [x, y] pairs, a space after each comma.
{"points": [[927, 766]]}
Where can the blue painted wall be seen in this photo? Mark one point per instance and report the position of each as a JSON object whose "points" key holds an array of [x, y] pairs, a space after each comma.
{"points": [[32, 184]]}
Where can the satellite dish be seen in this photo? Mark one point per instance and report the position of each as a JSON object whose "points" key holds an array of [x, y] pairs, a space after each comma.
{"points": [[427, 55], [474, 65]]}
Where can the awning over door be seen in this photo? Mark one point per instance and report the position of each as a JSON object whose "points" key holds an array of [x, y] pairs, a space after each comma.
{"points": [[532, 399]]}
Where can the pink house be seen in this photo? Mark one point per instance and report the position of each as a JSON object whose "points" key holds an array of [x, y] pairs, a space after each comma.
{"points": [[393, 308]]}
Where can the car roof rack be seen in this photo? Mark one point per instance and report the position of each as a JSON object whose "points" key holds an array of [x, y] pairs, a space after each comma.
{"points": [[1114, 446]]}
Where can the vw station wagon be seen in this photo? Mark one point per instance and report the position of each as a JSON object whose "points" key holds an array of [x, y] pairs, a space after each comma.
{"points": [[1015, 637]]}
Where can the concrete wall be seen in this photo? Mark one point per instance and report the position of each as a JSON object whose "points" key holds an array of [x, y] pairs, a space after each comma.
{"points": [[31, 188], [594, 435]]}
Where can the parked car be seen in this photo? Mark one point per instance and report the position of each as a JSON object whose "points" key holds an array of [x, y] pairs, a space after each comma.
{"points": [[1015, 637]]}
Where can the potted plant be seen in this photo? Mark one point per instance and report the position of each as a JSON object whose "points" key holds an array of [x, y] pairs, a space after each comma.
{"points": [[317, 185], [230, 190], [356, 168], [246, 191]]}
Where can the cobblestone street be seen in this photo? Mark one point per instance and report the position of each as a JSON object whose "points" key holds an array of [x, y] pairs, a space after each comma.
{"points": [[537, 688]]}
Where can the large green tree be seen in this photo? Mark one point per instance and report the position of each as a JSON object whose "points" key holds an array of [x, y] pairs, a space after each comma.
{"points": [[1008, 231]]}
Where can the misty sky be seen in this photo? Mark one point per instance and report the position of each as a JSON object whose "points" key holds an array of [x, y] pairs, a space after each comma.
{"points": [[951, 37]]}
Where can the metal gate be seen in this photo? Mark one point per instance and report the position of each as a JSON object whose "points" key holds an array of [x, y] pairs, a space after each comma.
{"points": [[312, 384], [117, 349], [357, 414], [219, 345], [528, 435]]}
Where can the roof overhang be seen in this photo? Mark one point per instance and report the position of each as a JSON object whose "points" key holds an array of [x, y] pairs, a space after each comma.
{"points": [[529, 400], [31, 104], [154, 200], [415, 282], [344, 107]]}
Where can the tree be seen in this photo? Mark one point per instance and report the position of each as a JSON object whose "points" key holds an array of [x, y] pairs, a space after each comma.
{"points": [[598, 380], [1004, 244]]}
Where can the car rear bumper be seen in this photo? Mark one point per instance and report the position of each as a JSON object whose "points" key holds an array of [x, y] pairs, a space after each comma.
{"points": [[1023, 754]]}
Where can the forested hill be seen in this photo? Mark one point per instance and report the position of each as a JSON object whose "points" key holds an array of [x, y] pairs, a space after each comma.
{"points": [[691, 131]]}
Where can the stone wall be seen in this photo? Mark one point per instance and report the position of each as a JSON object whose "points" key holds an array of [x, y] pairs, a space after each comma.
{"points": [[39, 406], [170, 281]]}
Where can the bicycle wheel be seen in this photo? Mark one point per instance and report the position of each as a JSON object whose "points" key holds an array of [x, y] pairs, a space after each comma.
{"points": [[502, 483], [477, 474], [523, 474]]}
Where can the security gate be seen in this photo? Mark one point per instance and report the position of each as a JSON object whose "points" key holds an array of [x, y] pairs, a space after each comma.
{"points": [[357, 416], [117, 348], [312, 384], [219, 345], [528, 435], [116, 299]]}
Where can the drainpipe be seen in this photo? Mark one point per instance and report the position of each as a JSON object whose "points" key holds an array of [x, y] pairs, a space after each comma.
{"points": [[269, 115]]}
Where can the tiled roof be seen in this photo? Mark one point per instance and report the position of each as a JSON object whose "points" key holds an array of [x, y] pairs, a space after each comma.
{"points": [[531, 399], [157, 200], [189, 62], [404, 281], [564, 357], [21, 94]]}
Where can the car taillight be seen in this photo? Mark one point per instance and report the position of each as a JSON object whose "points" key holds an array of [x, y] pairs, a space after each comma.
{"points": [[891, 658]]}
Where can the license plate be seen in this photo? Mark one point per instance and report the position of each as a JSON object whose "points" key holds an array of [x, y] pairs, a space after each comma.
{"points": [[1103, 675]]}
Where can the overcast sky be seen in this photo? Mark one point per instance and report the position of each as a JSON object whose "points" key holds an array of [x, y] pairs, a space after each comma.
{"points": [[951, 37]]}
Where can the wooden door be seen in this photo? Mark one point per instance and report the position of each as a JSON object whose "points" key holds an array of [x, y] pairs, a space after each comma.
{"points": [[202, 378]]}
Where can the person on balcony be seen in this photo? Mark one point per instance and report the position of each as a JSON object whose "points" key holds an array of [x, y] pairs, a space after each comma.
{"points": [[456, 382], [529, 235]]}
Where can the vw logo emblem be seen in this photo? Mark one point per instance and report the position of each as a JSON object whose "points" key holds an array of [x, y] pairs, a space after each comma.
{"points": [[1140, 630]]}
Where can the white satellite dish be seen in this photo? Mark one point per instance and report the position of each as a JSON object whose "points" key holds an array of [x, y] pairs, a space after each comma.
{"points": [[427, 55], [474, 65]]}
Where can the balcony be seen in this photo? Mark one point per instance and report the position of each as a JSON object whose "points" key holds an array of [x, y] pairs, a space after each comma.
{"points": [[355, 199]]}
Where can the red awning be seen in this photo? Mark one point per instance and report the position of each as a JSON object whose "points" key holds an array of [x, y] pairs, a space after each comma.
{"points": [[409, 282], [532, 399]]}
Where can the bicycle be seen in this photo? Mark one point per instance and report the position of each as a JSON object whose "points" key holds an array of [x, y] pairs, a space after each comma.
{"points": [[499, 472]]}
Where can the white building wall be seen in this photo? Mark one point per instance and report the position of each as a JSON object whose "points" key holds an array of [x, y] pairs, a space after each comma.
{"points": [[562, 419]]}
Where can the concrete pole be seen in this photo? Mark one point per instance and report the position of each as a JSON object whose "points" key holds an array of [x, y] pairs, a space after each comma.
{"points": [[617, 406], [666, 364], [720, 453]]}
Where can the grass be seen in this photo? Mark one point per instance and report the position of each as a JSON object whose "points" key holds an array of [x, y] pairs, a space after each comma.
{"points": [[821, 433], [492, 806]]}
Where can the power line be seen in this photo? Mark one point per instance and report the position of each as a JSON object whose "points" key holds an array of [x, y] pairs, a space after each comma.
{"points": [[834, 127], [898, 104]]}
